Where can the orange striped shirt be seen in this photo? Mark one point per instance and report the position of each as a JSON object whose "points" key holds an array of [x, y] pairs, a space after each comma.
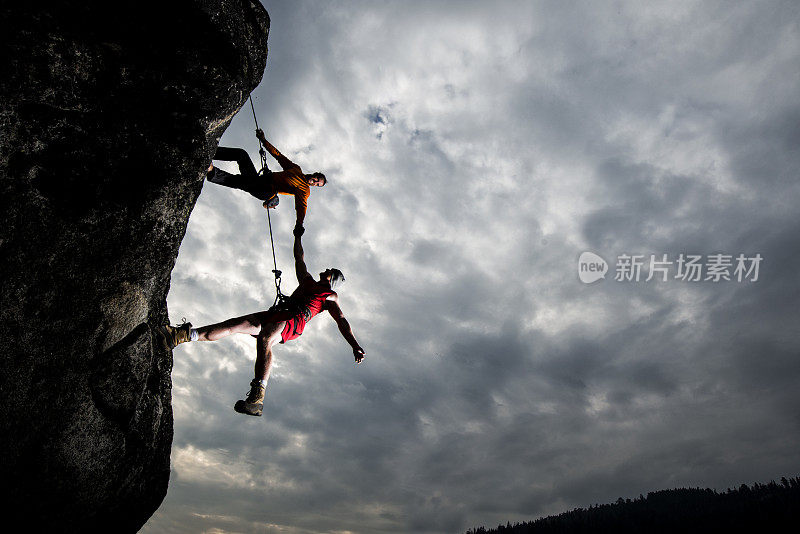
{"points": [[292, 181]]}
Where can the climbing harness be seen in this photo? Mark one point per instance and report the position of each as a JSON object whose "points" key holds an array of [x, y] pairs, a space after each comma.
{"points": [[282, 302]]}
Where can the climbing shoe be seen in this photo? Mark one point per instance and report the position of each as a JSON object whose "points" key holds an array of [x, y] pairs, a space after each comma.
{"points": [[175, 335], [254, 404]]}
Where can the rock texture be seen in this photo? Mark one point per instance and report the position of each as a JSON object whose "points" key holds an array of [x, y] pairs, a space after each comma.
{"points": [[109, 115]]}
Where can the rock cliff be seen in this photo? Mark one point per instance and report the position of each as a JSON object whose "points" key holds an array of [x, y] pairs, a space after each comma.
{"points": [[109, 115]]}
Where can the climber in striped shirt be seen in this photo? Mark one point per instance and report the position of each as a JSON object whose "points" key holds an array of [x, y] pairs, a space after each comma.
{"points": [[290, 181]]}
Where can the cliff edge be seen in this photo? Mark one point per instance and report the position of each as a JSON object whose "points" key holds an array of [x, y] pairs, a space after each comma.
{"points": [[109, 116]]}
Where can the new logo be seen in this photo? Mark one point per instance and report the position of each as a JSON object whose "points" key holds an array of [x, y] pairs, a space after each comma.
{"points": [[591, 267]]}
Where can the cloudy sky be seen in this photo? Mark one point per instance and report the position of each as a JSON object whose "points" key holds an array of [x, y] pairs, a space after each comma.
{"points": [[474, 151]]}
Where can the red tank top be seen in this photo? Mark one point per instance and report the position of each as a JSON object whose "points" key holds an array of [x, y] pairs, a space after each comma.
{"points": [[312, 297]]}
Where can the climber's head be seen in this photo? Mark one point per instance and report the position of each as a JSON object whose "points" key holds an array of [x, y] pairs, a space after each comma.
{"points": [[333, 276], [318, 179]]}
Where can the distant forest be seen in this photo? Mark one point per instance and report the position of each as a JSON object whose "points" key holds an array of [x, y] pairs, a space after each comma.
{"points": [[769, 507]]}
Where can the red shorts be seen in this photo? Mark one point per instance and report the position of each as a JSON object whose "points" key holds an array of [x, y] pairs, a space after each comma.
{"points": [[294, 323], [294, 327]]}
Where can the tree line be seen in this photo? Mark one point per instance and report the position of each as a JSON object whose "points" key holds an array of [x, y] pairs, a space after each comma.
{"points": [[758, 508]]}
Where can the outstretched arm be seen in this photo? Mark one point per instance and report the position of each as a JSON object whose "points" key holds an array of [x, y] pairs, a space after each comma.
{"points": [[300, 207], [299, 260], [344, 327], [271, 149], [284, 162]]}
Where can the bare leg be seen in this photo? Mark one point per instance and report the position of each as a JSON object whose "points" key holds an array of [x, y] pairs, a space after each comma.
{"points": [[267, 333], [270, 334], [247, 324]]}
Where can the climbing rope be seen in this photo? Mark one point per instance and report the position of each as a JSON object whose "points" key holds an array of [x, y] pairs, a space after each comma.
{"points": [[261, 150], [280, 298]]}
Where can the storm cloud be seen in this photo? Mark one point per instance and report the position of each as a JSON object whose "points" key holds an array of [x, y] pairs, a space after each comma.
{"points": [[474, 150]]}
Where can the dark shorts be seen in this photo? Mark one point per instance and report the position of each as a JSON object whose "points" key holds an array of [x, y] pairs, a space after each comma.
{"points": [[260, 186]]}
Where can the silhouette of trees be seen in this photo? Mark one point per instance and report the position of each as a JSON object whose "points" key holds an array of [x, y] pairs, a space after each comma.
{"points": [[758, 508]]}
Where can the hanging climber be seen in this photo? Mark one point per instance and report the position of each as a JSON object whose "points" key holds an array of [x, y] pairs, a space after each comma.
{"points": [[283, 324], [289, 181]]}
